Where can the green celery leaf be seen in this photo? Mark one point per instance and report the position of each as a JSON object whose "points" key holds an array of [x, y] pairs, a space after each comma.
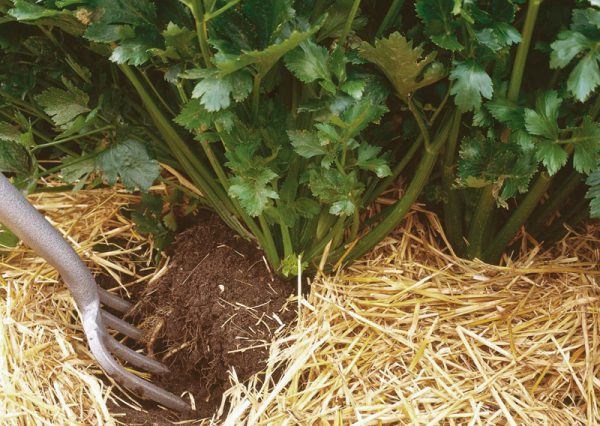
{"points": [[7, 238], [544, 120], [404, 66], [268, 17], [194, 116], [215, 91], [13, 157], [26, 11], [128, 160], [587, 146], [580, 42], [289, 266], [519, 176], [354, 88], [507, 113], [336, 189], [306, 143], [309, 62], [254, 191], [180, 40], [485, 161], [131, 52], [112, 19], [8, 132], [337, 17], [78, 171], [585, 77], [498, 36], [567, 47], [251, 184], [439, 22], [263, 60], [470, 84], [551, 155], [63, 106], [359, 115], [368, 160], [593, 193]]}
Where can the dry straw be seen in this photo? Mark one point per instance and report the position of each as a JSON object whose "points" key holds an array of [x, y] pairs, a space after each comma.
{"points": [[413, 335], [46, 373]]}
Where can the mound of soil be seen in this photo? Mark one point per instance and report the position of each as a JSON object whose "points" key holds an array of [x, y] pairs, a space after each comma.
{"points": [[217, 307]]}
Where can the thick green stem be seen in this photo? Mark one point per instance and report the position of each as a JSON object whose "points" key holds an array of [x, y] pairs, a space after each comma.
{"points": [[288, 247], [355, 225], [25, 106], [479, 222], [268, 244], [420, 122], [201, 31], [332, 235], [186, 158], [380, 187], [216, 165], [514, 87], [71, 138], [402, 206], [551, 206], [517, 219], [390, 17], [453, 208], [349, 21], [256, 96], [516, 77], [220, 11]]}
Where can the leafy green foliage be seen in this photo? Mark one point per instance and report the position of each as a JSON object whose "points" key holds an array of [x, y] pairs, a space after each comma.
{"points": [[252, 185], [471, 84], [439, 22], [29, 11], [215, 91], [129, 161], [292, 117], [335, 188], [404, 66], [543, 123], [586, 146], [7, 238], [581, 42], [309, 63], [593, 193], [63, 106], [13, 157]]}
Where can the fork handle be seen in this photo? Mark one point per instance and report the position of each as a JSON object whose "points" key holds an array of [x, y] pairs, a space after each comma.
{"points": [[18, 215]]}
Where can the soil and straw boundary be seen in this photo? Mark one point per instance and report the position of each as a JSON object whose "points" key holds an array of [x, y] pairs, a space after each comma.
{"points": [[409, 335]]}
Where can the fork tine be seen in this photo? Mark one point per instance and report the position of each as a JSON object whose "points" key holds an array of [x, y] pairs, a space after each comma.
{"points": [[121, 326], [112, 300], [135, 358], [138, 385]]}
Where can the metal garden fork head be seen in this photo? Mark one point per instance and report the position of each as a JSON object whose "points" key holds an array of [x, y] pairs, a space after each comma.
{"points": [[29, 225]]}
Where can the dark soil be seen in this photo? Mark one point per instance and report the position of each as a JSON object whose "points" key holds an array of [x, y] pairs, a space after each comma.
{"points": [[216, 299]]}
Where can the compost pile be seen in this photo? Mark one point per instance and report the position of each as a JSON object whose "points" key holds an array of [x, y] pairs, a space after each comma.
{"points": [[214, 310]]}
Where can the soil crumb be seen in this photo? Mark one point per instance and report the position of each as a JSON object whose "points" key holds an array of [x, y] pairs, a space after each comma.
{"points": [[217, 307]]}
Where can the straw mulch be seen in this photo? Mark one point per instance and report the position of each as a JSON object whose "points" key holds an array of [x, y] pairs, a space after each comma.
{"points": [[46, 373], [413, 335]]}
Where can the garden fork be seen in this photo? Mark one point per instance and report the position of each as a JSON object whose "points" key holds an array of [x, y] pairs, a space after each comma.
{"points": [[30, 226]]}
